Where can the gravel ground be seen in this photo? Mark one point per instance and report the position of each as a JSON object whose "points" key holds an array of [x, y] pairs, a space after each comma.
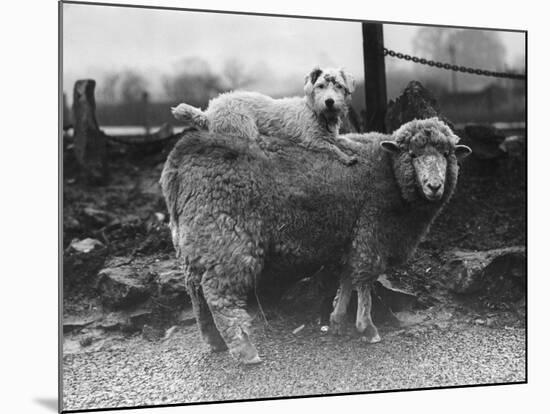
{"points": [[134, 371]]}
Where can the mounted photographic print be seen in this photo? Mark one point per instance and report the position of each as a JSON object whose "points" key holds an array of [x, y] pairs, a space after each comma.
{"points": [[260, 206]]}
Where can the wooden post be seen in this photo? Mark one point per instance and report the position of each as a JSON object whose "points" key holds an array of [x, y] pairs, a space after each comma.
{"points": [[90, 144], [375, 76], [66, 114], [145, 112]]}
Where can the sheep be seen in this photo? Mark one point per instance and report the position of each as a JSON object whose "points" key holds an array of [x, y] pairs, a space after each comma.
{"points": [[238, 211], [313, 120], [411, 186]]}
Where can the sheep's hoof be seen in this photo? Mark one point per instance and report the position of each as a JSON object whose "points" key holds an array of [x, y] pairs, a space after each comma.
{"points": [[371, 340], [253, 361], [246, 354]]}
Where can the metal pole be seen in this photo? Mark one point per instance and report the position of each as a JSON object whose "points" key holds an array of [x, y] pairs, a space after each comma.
{"points": [[452, 53], [375, 76]]}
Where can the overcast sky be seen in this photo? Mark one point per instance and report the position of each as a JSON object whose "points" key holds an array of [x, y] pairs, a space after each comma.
{"points": [[98, 39]]}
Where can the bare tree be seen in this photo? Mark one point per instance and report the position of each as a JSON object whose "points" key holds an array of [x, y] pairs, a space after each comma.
{"points": [[465, 47], [236, 74], [125, 86], [194, 82]]}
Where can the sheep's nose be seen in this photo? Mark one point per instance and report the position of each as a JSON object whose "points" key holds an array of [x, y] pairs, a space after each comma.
{"points": [[434, 187], [329, 103]]}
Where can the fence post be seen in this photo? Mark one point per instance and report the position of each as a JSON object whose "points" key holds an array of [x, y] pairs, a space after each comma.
{"points": [[375, 76], [90, 144]]}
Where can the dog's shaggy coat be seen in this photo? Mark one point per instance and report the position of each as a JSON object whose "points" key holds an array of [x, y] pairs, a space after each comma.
{"points": [[313, 120], [237, 209]]}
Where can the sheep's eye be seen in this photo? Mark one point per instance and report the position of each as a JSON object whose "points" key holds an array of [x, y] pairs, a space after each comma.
{"points": [[338, 86]]}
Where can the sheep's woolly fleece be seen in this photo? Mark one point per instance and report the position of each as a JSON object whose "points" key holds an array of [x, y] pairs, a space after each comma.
{"points": [[425, 131], [241, 211]]}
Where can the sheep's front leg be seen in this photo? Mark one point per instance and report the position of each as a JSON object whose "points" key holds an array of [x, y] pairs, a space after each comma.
{"points": [[363, 322], [338, 315]]}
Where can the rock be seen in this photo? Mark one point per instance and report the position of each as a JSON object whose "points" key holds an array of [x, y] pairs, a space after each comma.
{"points": [[514, 145], [85, 245], [86, 340], [169, 332], [128, 282], [186, 317], [139, 317], [499, 274], [80, 269], [70, 223], [71, 346], [396, 299], [125, 320], [171, 279], [76, 323], [484, 140], [122, 286], [113, 321], [388, 300], [97, 217], [152, 333]]}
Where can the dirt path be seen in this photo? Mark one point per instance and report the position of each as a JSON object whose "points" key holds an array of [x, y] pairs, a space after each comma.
{"points": [[129, 217], [134, 371]]}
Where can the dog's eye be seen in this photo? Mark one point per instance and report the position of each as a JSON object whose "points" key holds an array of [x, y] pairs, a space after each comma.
{"points": [[321, 86], [446, 154], [412, 154], [338, 86]]}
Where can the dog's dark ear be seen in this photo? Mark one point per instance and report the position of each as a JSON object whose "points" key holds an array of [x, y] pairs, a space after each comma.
{"points": [[314, 75], [311, 78], [348, 79]]}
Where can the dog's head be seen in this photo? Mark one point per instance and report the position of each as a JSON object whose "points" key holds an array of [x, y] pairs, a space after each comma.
{"points": [[328, 92]]}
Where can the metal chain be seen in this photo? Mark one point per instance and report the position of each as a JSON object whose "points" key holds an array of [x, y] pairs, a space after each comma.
{"points": [[456, 68]]}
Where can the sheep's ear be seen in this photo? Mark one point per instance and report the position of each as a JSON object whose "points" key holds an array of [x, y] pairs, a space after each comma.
{"points": [[462, 151], [348, 79], [390, 146]]}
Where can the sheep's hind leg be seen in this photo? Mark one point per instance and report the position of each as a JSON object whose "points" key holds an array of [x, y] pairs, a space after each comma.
{"points": [[207, 327], [231, 318], [364, 323], [338, 315]]}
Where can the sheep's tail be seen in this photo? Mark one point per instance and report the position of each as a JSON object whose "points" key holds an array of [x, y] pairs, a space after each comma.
{"points": [[190, 116]]}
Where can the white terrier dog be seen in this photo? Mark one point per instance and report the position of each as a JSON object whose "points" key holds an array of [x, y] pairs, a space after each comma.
{"points": [[313, 120]]}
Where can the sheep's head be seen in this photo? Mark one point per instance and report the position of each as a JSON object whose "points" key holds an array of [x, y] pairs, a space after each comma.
{"points": [[425, 154]]}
